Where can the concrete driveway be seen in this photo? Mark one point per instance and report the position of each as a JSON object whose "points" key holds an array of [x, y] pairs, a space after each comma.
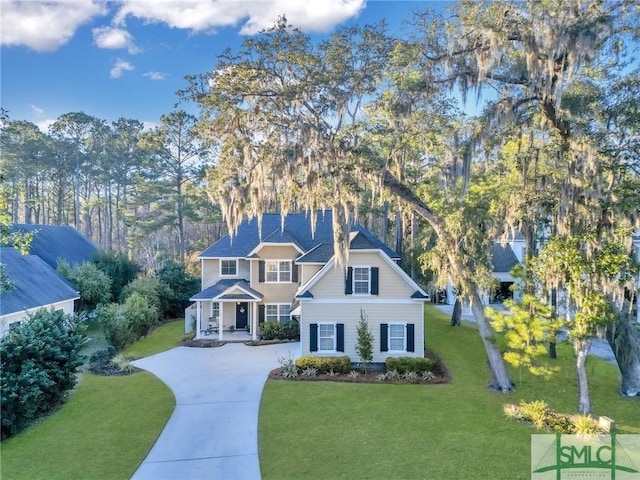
{"points": [[213, 431]]}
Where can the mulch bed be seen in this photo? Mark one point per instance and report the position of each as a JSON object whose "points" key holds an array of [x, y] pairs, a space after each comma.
{"points": [[369, 377]]}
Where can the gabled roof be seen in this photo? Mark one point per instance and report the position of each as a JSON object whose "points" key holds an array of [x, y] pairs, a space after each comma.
{"points": [[36, 283], [51, 242], [503, 258], [217, 291], [297, 231], [320, 254]]}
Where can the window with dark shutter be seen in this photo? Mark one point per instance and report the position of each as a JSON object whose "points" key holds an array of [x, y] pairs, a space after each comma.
{"points": [[313, 337], [374, 280], [294, 273], [411, 337], [261, 271], [340, 337], [348, 282], [384, 337]]}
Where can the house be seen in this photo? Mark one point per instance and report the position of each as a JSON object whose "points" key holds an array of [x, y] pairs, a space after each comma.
{"points": [[51, 242], [36, 285], [286, 269]]}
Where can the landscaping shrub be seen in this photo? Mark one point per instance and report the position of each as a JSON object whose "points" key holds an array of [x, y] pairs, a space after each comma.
{"points": [[100, 358], [117, 329], [409, 364], [280, 330], [40, 359], [340, 364], [140, 314], [157, 293]]}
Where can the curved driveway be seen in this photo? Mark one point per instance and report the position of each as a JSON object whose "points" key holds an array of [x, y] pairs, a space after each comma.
{"points": [[213, 431]]}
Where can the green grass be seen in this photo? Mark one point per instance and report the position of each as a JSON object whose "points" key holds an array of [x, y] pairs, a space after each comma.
{"points": [[352, 431], [103, 432], [162, 338]]}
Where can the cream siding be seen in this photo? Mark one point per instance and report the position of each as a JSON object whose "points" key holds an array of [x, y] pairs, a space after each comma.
{"points": [[6, 320], [274, 292], [211, 271], [349, 315], [307, 271], [391, 284]]}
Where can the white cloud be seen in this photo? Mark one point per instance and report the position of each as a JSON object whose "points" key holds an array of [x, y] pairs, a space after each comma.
{"points": [[206, 15], [114, 38], [120, 67], [155, 75], [149, 126], [44, 125], [44, 26], [37, 109]]}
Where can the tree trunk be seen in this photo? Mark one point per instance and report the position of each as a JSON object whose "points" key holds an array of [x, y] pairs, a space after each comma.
{"points": [[456, 316], [501, 380], [624, 339], [581, 348]]}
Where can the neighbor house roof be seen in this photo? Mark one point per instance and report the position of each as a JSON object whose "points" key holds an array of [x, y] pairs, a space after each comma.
{"points": [[51, 242], [503, 258], [297, 231], [36, 283]]}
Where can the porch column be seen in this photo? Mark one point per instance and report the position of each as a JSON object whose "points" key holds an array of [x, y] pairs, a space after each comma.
{"points": [[199, 318], [221, 321], [254, 322]]}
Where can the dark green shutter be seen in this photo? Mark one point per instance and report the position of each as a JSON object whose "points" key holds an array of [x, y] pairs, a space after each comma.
{"points": [[313, 337], [261, 271], [384, 337], [294, 273], [411, 337], [260, 313], [374, 280], [348, 282], [340, 337]]}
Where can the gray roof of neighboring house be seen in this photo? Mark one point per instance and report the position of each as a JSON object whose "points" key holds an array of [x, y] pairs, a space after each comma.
{"points": [[503, 258], [51, 242], [36, 283], [297, 230], [221, 286]]}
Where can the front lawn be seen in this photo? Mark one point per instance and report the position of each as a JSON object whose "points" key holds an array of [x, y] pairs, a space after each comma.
{"points": [[163, 338], [103, 432], [457, 430]]}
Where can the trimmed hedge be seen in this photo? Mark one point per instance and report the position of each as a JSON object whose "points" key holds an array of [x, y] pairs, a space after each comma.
{"points": [[280, 330], [410, 364], [340, 364]]}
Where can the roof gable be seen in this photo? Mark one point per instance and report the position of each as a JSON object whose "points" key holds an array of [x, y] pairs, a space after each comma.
{"points": [[503, 258], [36, 283], [51, 242]]}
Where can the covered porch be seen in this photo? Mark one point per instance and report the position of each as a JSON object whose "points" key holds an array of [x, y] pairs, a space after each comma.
{"points": [[226, 311]]}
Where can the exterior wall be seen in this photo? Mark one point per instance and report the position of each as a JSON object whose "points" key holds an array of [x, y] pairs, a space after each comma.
{"points": [[391, 284], [274, 292], [211, 271], [349, 315], [307, 271], [6, 320]]}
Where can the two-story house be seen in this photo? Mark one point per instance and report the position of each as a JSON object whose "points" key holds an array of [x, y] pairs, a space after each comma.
{"points": [[286, 269]]}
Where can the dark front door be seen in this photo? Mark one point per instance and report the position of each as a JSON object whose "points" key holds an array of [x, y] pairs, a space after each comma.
{"points": [[242, 314]]}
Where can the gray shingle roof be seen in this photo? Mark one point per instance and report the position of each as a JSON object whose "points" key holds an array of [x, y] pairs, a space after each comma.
{"points": [[297, 230], [319, 254], [214, 291], [54, 241], [36, 283], [503, 258]]}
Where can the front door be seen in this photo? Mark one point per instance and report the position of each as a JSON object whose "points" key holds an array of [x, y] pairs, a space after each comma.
{"points": [[242, 314]]}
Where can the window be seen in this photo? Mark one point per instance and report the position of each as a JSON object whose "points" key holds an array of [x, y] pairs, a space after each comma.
{"points": [[275, 312], [278, 271], [361, 280], [396, 337], [228, 267], [215, 310], [326, 336], [14, 325]]}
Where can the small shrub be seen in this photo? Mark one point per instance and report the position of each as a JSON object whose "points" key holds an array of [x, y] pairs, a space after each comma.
{"points": [[410, 376], [535, 412], [123, 364], [381, 377], [585, 426], [100, 358], [354, 374], [410, 364], [512, 411], [310, 372], [280, 330], [289, 369], [340, 364], [393, 375], [559, 422], [117, 329], [428, 376], [331, 373]]}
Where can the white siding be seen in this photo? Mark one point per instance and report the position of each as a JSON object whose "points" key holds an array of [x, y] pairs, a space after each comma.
{"points": [[6, 320]]}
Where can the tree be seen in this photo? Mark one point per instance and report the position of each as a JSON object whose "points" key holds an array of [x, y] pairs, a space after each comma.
{"points": [[364, 341], [154, 290], [287, 117], [93, 284], [183, 286], [40, 361], [118, 268]]}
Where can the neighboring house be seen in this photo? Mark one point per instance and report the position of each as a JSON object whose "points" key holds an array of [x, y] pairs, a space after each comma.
{"points": [[288, 270], [36, 285], [51, 242]]}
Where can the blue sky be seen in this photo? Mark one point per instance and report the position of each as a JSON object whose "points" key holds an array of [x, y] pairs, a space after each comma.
{"points": [[127, 58]]}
